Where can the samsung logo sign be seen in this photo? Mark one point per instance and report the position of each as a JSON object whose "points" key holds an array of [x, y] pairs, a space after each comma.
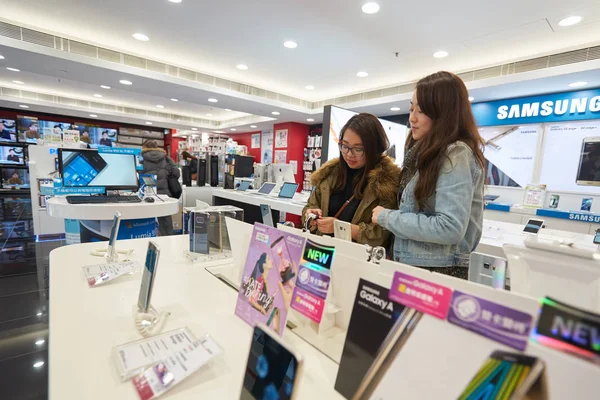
{"points": [[585, 218], [557, 107], [547, 108]]}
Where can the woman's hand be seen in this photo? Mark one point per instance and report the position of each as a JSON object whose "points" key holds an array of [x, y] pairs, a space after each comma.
{"points": [[315, 211], [326, 224], [376, 211]]}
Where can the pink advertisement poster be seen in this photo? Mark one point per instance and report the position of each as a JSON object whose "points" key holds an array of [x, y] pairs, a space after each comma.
{"points": [[269, 277], [424, 296]]}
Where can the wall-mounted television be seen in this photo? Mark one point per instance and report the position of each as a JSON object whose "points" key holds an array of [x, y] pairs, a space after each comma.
{"points": [[98, 135], [29, 129], [12, 155], [336, 118], [15, 178], [8, 130]]}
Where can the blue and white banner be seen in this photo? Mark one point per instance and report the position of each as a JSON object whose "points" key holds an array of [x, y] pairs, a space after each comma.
{"points": [[557, 107], [79, 190], [570, 215], [118, 150]]}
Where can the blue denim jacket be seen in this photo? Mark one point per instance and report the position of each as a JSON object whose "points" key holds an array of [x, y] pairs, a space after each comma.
{"points": [[449, 229]]}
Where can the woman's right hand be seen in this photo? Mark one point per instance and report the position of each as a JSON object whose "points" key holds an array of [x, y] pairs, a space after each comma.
{"points": [[315, 211]]}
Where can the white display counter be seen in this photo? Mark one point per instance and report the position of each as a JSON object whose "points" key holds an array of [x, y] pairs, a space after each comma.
{"points": [[292, 206], [85, 324]]}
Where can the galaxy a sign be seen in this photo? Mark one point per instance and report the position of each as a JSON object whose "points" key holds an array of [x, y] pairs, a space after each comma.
{"points": [[558, 107]]}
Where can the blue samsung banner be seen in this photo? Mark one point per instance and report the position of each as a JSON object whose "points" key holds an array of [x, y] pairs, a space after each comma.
{"points": [[557, 107], [570, 215]]}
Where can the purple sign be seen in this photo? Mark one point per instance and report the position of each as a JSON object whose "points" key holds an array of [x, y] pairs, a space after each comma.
{"points": [[494, 321], [313, 281]]}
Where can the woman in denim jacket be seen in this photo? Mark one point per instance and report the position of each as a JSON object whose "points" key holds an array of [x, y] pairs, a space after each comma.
{"points": [[440, 214]]}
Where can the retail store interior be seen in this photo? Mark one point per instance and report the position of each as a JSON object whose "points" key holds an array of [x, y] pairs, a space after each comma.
{"points": [[158, 158]]}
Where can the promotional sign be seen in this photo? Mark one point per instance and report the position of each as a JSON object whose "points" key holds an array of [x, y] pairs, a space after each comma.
{"points": [[266, 149], [255, 141], [568, 329], [373, 308], [281, 138], [269, 277], [496, 322], [71, 137], [568, 106], [424, 296], [534, 196], [52, 135], [313, 280], [572, 216]]}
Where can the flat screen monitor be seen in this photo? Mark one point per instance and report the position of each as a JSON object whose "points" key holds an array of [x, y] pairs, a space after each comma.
{"points": [[8, 130], [288, 190], [588, 173], [15, 178], [98, 135], [283, 173], [29, 129], [12, 155], [243, 186], [90, 168], [266, 188]]}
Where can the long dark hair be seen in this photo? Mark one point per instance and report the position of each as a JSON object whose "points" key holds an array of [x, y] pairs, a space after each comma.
{"points": [[375, 142], [444, 98]]}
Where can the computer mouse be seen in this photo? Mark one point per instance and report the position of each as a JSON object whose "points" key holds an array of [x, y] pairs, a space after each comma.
{"points": [[149, 199]]}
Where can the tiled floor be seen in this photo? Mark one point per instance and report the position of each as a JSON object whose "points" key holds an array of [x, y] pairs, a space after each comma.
{"points": [[24, 288]]}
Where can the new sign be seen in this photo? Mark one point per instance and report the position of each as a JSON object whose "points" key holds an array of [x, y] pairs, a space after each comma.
{"points": [[557, 107]]}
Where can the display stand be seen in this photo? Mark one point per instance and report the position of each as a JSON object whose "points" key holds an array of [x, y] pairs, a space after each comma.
{"points": [[150, 323]]}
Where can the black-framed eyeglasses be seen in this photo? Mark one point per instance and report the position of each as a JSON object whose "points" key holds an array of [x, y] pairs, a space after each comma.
{"points": [[356, 151]]}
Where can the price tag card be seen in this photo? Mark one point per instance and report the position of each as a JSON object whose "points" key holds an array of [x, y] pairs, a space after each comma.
{"points": [[99, 274], [165, 374]]}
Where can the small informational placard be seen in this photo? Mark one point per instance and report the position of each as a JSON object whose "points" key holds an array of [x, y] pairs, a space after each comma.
{"points": [[424, 296], [294, 165], [313, 280], [71, 137], [534, 196], [255, 144], [99, 274], [568, 329], [52, 135], [496, 322], [175, 368], [281, 138], [79, 190], [280, 156]]}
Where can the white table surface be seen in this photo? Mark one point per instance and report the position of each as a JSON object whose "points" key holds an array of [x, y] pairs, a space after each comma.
{"points": [[292, 206], [59, 207], [85, 324]]}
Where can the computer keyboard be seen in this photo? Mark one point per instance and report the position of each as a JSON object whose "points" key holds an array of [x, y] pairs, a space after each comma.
{"points": [[102, 199]]}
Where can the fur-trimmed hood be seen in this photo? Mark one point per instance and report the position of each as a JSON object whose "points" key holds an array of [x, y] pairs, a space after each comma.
{"points": [[153, 154], [384, 179]]}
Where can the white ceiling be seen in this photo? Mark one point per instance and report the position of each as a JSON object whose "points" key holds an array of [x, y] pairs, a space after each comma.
{"points": [[335, 41]]}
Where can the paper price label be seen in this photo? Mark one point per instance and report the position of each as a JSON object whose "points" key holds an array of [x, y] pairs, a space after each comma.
{"points": [[99, 274]]}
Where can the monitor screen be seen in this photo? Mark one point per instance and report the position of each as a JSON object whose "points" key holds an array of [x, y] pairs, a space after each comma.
{"points": [[266, 188], [243, 186], [12, 155], [288, 190], [589, 162], [29, 129], [90, 168], [98, 136], [17, 178], [8, 130]]}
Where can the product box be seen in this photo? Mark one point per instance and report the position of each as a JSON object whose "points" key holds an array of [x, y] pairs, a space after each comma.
{"points": [[208, 229]]}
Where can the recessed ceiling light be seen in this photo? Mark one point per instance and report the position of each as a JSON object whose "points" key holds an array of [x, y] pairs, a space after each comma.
{"points": [[105, 87], [290, 44], [218, 132], [174, 99], [39, 314], [175, 1], [570, 21], [275, 113], [148, 123], [243, 67], [1, 57], [125, 82], [227, 109], [370, 8], [362, 74], [40, 342], [141, 37], [233, 129], [97, 95], [440, 54], [310, 120], [19, 82], [194, 129], [93, 116], [38, 364], [309, 87], [23, 106], [160, 106], [578, 84], [13, 69], [253, 126], [395, 109], [211, 100], [209, 115], [471, 98]]}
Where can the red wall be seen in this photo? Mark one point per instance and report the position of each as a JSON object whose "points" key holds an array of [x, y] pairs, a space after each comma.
{"points": [[297, 134]]}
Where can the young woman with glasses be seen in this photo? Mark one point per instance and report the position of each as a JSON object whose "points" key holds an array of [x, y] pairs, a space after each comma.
{"points": [[440, 214], [348, 188]]}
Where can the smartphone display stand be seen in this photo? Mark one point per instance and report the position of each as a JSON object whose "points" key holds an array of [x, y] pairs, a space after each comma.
{"points": [[151, 322]]}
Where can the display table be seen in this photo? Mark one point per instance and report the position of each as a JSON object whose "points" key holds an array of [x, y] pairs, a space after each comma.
{"points": [[292, 206], [92, 222], [85, 324]]}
